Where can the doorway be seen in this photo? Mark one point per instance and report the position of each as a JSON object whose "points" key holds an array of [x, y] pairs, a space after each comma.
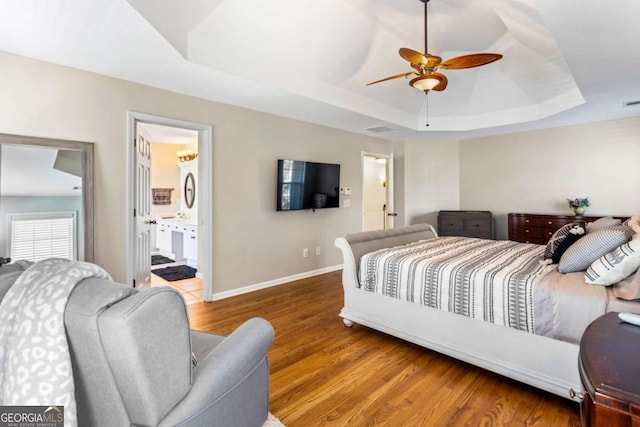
{"points": [[377, 191], [142, 225]]}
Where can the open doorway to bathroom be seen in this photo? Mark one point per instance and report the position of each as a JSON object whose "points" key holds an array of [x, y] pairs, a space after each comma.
{"points": [[174, 210], [170, 192]]}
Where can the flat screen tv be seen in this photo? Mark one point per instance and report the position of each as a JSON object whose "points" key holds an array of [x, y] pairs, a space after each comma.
{"points": [[307, 185]]}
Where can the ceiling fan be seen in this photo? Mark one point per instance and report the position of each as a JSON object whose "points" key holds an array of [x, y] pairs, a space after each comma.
{"points": [[425, 65]]}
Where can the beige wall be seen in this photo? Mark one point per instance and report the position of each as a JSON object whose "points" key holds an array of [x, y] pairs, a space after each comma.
{"points": [[537, 171], [252, 243], [166, 174], [430, 179]]}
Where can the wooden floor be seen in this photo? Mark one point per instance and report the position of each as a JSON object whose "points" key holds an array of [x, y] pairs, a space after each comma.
{"points": [[325, 374]]}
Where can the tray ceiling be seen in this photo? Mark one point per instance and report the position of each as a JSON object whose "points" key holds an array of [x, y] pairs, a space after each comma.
{"points": [[564, 61]]}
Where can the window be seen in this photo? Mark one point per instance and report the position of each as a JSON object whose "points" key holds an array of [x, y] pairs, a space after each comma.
{"points": [[42, 235], [293, 173]]}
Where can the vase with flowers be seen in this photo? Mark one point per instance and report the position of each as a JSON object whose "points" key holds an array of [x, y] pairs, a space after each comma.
{"points": [[578, 205]]}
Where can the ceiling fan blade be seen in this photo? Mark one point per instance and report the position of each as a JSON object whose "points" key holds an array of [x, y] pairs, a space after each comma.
{"points": [[470, 61], [418, 60], [397, 76]]}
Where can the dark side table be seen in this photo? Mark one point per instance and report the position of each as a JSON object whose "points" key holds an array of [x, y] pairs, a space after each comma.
{"points": [[609, 365]]}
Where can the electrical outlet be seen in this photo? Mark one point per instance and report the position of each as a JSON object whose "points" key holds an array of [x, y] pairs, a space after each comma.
{"points": [[346, 203], [305, 252], [318, 250]]}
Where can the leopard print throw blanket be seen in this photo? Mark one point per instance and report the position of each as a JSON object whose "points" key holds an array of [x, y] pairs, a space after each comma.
{"points": [[35, 365]]}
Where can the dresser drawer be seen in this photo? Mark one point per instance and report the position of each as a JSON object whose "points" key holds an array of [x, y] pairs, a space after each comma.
{"points": [[477, 225], [528, 221], [451, 224], [548, 232], [531, 232], [555, 223]]}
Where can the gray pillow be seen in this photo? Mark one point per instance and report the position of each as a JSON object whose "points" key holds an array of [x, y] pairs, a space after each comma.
{"points": [[600, 223], [595, 244]]}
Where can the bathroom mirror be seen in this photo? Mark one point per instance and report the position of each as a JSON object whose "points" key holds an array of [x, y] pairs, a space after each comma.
{"points": [[189, 190], [41, 181]]}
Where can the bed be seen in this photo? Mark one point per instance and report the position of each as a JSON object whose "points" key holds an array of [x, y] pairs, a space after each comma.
{"points": [[496, 330]]}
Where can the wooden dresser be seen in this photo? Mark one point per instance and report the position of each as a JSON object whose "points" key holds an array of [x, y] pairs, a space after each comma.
{"points": [[478, 224], [609, 366], [538, 228]]}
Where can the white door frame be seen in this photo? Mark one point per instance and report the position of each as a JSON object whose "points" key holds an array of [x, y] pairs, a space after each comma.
{"points": [[390, 194], [204, 193]]}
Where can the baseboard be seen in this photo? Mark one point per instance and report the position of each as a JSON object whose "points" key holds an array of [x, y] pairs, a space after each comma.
{"points": [[275, 282]]}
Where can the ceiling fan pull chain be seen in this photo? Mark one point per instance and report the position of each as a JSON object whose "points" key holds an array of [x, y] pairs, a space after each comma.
{"points": [[426, 103]]}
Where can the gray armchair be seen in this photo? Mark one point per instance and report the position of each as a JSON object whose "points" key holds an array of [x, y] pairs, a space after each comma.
{"points": [[133, 358]]}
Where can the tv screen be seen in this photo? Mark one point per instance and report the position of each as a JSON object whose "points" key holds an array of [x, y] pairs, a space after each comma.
{"points": [[307, 185]]}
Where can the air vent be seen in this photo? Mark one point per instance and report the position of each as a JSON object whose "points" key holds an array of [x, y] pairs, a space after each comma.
{"points": [[631, 103], [379, 129]]}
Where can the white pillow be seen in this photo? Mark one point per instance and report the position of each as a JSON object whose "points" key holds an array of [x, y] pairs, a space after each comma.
{"points": [[614, 266]]}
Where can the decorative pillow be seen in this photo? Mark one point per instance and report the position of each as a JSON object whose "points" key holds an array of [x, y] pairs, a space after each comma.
{"points": [[599, 223], [615, 265], [581, 254], [564, 245], [558, 237], [628, 288]]}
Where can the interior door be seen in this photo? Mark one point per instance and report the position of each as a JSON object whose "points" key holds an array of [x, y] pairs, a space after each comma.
{"points": [[142, 210], [377, 190]]}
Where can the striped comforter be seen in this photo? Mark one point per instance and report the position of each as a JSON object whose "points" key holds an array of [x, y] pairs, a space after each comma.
{"points": [[485, 279]]}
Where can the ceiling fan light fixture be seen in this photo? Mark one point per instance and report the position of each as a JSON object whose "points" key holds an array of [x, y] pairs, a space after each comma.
{"points": [[426, 82]]}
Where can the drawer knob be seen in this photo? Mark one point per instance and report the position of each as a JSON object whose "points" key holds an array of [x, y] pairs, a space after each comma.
{"points": [[526, 231], [549, 222], [526, 220]]}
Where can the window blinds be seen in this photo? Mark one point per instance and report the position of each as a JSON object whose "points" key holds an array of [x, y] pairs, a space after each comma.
{"points": [[35, 237]]}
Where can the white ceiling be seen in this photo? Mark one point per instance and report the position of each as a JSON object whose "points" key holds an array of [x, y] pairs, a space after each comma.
{"points": [[171, 135], [565, 62], [29, 171]]}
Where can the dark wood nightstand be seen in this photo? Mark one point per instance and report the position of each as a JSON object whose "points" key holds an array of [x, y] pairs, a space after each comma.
{"points": [[609, 366]]}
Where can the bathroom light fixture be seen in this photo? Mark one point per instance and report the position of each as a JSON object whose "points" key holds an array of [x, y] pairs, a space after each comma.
{"points": [[186, 155]]}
